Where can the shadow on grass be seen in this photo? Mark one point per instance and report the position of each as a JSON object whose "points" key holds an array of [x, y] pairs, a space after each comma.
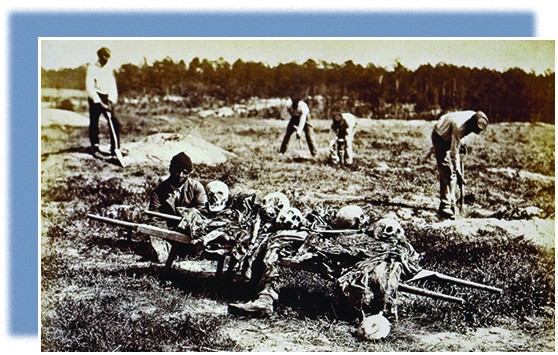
{"points": [[303, 304], [141, 248], [84, 150], [103, 156], [385, 202], [310, 299]]}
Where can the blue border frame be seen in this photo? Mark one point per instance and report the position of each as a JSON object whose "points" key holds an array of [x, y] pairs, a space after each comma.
{"points": [[26, 27]]}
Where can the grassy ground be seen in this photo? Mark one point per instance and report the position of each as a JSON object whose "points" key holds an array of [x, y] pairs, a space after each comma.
{"points": [[100, 291]]}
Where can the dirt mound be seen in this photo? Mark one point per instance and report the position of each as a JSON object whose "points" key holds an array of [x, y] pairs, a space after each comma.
{"points": [[523, 174], [539, 231], [161, 147], [56, 117]]}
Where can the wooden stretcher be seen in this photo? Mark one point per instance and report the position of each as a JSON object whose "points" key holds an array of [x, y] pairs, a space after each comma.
{"points": [[177, 239]]}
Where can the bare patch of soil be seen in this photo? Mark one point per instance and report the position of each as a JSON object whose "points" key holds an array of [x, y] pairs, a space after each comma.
{"points": [[482, 339], [539, 231], [57, 117], [281, 336]]}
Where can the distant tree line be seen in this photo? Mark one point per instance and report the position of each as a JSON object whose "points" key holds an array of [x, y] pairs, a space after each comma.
{"points": [[368, 91]]}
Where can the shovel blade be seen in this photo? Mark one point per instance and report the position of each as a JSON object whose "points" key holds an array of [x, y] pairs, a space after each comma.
{"points": [[120, 158]]}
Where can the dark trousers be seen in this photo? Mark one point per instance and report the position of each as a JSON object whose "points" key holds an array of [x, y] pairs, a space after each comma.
{"points": [[308, 132], [95, 111], [446, 172]]}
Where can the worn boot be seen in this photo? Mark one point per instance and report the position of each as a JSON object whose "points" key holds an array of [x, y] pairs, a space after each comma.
{"points": [[446, 213], [161, 248], [263, 305], [95, 151]]}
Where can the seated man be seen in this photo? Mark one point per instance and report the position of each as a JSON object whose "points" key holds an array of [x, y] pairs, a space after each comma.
{"points": [[175, 196]]}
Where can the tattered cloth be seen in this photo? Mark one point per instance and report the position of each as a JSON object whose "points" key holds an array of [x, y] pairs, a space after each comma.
{"points": [[264, 255], [367, 270], [227, 232]]}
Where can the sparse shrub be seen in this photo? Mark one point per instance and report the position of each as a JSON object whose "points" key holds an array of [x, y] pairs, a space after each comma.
{"points": [[98, 195], [58, 229], [524, 271], [66, 104]]}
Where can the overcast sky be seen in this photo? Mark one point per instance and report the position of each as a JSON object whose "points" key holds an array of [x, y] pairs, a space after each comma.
{"points": [[537, 55]]}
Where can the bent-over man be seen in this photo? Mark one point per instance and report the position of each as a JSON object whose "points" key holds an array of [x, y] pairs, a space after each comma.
{"points": [[299, 122], [447, 137], [341, 146]]}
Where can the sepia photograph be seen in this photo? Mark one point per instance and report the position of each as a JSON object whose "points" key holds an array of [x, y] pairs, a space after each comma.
{"points": [[296, 194]]}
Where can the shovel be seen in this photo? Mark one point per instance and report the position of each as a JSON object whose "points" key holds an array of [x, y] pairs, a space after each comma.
{"points": [[117, 151], [298, 139], [299, 142], [461, 201]]}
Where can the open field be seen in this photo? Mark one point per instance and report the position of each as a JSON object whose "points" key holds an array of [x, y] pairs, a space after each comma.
{"points": [[101, 291]]}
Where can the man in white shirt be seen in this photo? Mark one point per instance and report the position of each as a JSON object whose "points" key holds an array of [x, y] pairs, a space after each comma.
{"points": [[299, 122], [447, 134], [341, 146], [102, 95]]}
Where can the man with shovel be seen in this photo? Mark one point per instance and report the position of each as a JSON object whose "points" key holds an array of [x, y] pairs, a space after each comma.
{"points": [[447, 137], [299, 122], [102, 92]]}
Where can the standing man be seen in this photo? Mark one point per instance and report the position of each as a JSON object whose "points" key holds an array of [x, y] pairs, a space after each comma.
{"points": [[341, 147], [102, 95], [174, 196], [446, 139], [299, 122]]}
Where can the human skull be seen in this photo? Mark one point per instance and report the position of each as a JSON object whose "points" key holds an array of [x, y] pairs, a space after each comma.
{"points": [[290, 218], [387, 228], [374, 327], [350, 216], [217, 195], [273, 203]]}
